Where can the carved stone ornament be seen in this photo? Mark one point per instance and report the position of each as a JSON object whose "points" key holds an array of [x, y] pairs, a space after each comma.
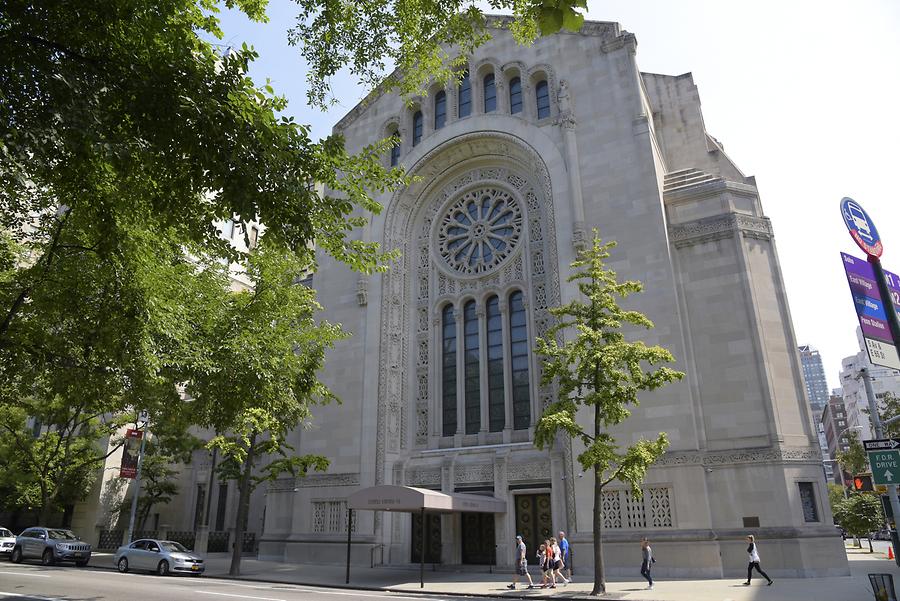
{"points": [[810, 454], [720, 227]]}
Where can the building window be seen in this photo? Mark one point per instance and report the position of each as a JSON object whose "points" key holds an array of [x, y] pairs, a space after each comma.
{"points": [[808, 501], [490, 93], [515, 95], [518, 343], [440, 109], [448, 371], [624, 510], [472, 366], [254, 236], [465, 96], [496, 401], [542, 95], [417, 127], [330, 517], [395, 149]]}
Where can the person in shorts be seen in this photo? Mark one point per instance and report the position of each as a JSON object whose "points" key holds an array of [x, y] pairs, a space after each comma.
{"points": [[557, 562], [564, 548], [521, 564]]}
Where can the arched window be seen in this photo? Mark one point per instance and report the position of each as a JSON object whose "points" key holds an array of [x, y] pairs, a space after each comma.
{"points": [[542, 95], [440, 109], [515, 95], [496, 397], [448, 371], [472, 366], [465, 96], [395, 149], [518, 344], [417, 127], [490, 93]]}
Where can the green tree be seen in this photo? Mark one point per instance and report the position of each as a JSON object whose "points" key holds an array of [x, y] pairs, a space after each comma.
{"points": [[265, 349], [891, 409], [854, 460], [835, 496], [860, 515], [599, 369]]}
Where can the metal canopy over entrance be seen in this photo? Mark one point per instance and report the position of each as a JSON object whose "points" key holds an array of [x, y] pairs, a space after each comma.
{"points": [[408, 499]]}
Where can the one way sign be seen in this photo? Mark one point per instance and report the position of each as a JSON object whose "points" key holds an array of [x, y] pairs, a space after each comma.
{"points": [[881, 444]]}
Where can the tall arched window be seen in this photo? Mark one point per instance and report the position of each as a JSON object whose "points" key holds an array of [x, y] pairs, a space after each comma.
{"points": [[465, 96], [496, 400], [417, 127], [518, 343], [542, 95], [515, 95], [395, 149], [472, 366], [448, 371], [440, 109], [490, 93]]}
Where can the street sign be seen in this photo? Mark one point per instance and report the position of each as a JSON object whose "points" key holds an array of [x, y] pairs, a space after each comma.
{"points": [[870, 309], [861, 227], [884, 459]]}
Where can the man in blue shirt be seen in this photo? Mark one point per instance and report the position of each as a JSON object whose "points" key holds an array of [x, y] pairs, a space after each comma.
{"points": [[564, 548]]}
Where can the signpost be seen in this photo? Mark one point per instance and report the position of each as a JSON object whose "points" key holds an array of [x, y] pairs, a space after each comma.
{"points": [[870, 309], [884, 458], [863, 231]]}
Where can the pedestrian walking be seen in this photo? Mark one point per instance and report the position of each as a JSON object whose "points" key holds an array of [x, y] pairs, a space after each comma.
{"points": [[564, 547], [521, 563], [557, 561], [548, 562], [647, 561], [754, 561], [542, 562]]}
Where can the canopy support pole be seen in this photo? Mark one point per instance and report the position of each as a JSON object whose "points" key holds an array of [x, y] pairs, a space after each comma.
{"points": [[349, 535], [422, 552]]}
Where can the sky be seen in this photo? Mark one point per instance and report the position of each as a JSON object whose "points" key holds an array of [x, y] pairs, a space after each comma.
{"points": [[803, 95]]}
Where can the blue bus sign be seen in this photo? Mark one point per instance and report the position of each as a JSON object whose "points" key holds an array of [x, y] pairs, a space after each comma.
{"points": [[861, 227]]}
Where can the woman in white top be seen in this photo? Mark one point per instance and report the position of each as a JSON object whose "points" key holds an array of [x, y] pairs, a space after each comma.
{"points": [[557, 562], [754, 561]]}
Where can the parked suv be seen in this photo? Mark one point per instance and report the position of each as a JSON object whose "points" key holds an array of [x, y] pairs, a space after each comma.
{"points": [[51, 545], [7, 541]]}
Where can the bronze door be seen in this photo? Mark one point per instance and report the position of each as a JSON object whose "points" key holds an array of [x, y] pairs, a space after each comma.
{"points": [[432, 538], [534, 521], [478, 546]]}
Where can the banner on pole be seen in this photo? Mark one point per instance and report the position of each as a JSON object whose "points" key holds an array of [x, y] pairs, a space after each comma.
{"points": [[871, 310], [130, 451]]}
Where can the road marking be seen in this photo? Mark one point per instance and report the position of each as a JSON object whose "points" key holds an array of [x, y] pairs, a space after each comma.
{"points": [[26, 574], [20, 596], [239, 596]]}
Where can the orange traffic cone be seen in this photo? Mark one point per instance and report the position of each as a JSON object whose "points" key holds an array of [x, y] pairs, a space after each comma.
{"points": [[891, 552]]}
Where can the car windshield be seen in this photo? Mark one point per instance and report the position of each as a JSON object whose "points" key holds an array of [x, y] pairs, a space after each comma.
{"points": [[172, 547], [5, 533], [61, 535]]}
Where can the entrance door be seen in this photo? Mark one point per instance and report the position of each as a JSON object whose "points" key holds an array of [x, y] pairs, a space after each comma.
{"points": [[432, 538], [534, 520], [478, 545]]}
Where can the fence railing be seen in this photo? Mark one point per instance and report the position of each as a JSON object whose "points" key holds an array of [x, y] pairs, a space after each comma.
{"points": [[110, 540], [185, 537], [218, 542]]}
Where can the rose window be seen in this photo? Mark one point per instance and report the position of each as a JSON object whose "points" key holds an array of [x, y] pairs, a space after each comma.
{"points": [[480, 230]]}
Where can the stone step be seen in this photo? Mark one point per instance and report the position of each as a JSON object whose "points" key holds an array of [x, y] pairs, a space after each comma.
{"points": [[685, 178]]}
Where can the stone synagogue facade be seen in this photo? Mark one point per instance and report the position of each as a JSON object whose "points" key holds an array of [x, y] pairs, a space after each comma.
{"points": [[441, 389]]}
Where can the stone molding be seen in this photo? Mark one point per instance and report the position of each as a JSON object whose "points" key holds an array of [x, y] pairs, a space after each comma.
{"points": [[423, 477], [322, 480], [779, 454], [720, 227], [536, 470]]}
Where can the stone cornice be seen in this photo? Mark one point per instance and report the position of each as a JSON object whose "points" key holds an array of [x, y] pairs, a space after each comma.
{"points": [[314, 481], [709, 188], [720, 227], [779, 454]]}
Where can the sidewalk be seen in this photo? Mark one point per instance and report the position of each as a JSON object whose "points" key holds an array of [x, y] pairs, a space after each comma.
{"points": [[853, 588]]}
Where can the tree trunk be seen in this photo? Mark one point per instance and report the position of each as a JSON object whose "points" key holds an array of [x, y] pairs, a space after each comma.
{"points": [[243, 510], [871, 550], [599, 576], [44, 516]]}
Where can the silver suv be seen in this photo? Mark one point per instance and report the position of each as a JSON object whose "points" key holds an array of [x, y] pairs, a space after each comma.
{"points": [[51, 545]]}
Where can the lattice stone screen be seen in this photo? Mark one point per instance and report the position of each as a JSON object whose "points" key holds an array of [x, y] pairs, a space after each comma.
{"points": [[330, 517], [623, 510]]}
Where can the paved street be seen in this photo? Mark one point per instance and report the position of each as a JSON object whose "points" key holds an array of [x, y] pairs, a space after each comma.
{"points": [[32, 582]]}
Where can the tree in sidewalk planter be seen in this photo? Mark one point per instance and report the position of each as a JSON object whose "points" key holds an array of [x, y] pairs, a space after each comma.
{"points": [[264, 351], [860, 514], [599, 369]]}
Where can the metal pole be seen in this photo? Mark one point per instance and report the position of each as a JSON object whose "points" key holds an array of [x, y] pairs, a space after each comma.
{"points": [[137, 486], [879, 430], [422, 553], [349, 535]]}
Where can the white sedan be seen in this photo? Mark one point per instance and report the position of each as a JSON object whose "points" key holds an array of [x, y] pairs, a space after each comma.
{"points": [[160, 556]]}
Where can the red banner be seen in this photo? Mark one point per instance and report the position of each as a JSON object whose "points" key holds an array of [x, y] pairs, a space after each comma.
{"points": [[130, 451]]}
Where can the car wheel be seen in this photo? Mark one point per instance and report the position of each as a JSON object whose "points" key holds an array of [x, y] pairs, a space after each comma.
{"points": [[47, 558], [123, 565], [16, 555], [163, 568]]}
